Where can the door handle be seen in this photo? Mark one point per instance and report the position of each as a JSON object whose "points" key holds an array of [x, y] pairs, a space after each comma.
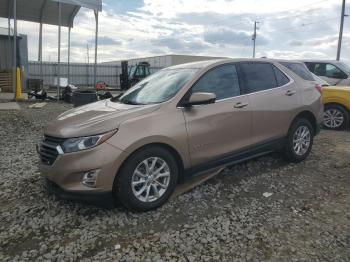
{"points": [[290, 93], [240, 105]]}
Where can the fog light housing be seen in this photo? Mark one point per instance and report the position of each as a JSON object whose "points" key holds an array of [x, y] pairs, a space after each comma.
{"points": [[89, 178]]}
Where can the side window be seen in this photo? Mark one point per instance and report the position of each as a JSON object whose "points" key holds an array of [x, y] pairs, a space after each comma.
{"points": [[222, 81], [333, 72], [299, 69], [257, 76], [281, 78], [320, 69], [140, 71], [310, 66]]}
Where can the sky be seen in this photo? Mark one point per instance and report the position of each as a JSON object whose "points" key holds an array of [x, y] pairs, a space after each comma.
{"points": [[140, 28]]}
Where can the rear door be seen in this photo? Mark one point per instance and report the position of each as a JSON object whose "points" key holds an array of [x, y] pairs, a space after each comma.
{"points": [[218, 129], [273, 98]]}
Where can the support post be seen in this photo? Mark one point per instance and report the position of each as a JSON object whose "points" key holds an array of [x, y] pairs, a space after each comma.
{"points": [[59, 51], [14, 62], [68, 65], [40, 51], [254, 37], [341, 30], [9, 30], [96, 43]]}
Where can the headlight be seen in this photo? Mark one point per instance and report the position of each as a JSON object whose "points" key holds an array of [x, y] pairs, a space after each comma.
{"points": [[82, 143]]}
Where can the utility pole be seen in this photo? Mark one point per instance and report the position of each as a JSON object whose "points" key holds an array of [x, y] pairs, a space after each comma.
{"points": [[343, 15], [254, 37]]}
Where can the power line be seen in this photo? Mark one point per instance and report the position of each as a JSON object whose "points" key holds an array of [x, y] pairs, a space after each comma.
{"points": [[304, 24]]}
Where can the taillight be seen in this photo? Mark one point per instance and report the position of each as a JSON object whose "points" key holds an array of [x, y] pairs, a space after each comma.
{"points": [[319, 88]]}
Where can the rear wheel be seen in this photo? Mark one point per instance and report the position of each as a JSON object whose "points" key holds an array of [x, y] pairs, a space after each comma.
{"points": [[147, 179], [299, 140], [335, 117]]}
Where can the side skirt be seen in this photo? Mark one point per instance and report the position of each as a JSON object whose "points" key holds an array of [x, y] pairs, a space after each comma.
{"points": [[235, 157]]}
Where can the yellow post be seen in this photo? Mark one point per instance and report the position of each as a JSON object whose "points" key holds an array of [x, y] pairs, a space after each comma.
{"points": [[19, 84]]}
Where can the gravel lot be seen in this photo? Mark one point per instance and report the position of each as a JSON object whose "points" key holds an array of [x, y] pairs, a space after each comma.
{"points": [[307, 217]]}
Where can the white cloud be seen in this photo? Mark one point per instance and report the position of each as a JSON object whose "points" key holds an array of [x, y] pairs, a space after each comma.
{"points": [[306, 28]]}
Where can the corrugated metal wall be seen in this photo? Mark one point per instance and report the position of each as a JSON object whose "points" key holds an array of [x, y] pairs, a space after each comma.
{"points": [[80, 74]]}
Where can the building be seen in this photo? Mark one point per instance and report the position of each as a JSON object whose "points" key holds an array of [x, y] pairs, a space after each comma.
{"points": [[166, 60], [6, 58]]}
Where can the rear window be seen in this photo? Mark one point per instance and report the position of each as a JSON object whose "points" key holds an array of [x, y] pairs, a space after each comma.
{"points": [[299, 69]]}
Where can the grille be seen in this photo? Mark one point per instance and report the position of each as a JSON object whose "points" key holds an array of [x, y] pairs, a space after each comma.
{"points": [[48, 149]]}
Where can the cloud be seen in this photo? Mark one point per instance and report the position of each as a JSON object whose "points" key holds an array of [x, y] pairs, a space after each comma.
{"points": [[179, 45], [105, 40], [231, 37], [295, 43], [140, 28]]}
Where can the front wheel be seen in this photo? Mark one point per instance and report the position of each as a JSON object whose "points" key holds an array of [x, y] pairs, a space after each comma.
{"points": [[147, 179], [299, 140]]}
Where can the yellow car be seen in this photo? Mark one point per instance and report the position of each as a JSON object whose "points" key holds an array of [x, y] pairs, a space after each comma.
{"points": [[336, 100]]}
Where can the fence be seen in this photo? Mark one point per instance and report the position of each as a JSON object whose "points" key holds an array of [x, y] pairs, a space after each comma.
{"points": [[81, 74]]}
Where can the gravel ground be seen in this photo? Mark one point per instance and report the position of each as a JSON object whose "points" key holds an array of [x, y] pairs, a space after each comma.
{"points": [[307, 217]]}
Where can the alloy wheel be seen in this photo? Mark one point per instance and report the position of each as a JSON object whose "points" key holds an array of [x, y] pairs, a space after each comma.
{"points": [[333, 118], [301, 140], [150, 179]]}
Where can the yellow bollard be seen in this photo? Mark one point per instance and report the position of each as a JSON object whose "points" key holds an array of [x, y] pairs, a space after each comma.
{"points": [[19, 84]]}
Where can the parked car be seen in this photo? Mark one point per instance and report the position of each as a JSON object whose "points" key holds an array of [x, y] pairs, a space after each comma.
{"points": [[178, 123], [336, 100], [334, 72]]}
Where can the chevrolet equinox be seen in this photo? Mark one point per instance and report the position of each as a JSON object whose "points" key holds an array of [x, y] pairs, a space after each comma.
{"points": [[178, 123]]}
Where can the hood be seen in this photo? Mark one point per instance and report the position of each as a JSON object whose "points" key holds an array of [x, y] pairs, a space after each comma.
{"points": [[95, 118]]}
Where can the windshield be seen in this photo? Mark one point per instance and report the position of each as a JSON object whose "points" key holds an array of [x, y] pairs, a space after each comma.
{"points": [[344, 67], [158, 88]]}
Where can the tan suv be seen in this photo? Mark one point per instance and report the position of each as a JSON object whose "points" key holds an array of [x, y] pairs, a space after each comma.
{"points": [[180, 122]]}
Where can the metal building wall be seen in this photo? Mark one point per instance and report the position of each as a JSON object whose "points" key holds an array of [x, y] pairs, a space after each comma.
{"points": [[81, 74]]}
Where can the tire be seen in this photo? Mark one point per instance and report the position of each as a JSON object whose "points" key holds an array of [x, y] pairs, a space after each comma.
{"points": [[293, 152], [336, 117], [134, 171]]}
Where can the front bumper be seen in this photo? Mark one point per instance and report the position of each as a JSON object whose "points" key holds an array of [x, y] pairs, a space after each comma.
{"points": [[104, 199], [67, 171]]}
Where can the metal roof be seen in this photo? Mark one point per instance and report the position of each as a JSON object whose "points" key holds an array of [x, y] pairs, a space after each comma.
{"points": [[46, 11]]}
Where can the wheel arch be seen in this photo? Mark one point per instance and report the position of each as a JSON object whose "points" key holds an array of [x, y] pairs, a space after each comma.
{"points": [[337, 104], [309, 116], [166, 146]]}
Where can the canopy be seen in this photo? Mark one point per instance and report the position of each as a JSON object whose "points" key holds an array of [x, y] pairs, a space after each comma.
{"points": [[45, 11], [54, 12]]}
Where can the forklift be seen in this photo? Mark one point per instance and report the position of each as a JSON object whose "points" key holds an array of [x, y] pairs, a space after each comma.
{"points": [[133, 74]]}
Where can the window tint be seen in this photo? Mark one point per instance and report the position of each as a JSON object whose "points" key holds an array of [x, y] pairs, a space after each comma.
{"points": [[281, 78], [257, 76], [310, 66], [299, 69], [222, 81], [334, 72]]}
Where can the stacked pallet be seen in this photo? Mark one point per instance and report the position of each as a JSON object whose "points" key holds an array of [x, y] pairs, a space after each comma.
{"points": [[6, 82]]}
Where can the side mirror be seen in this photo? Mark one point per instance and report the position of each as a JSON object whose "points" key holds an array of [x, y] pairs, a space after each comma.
{"points": [[200, 98]]}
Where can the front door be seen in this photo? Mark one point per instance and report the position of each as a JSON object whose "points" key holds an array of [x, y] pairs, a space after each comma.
{"points": [[218, 129]]}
